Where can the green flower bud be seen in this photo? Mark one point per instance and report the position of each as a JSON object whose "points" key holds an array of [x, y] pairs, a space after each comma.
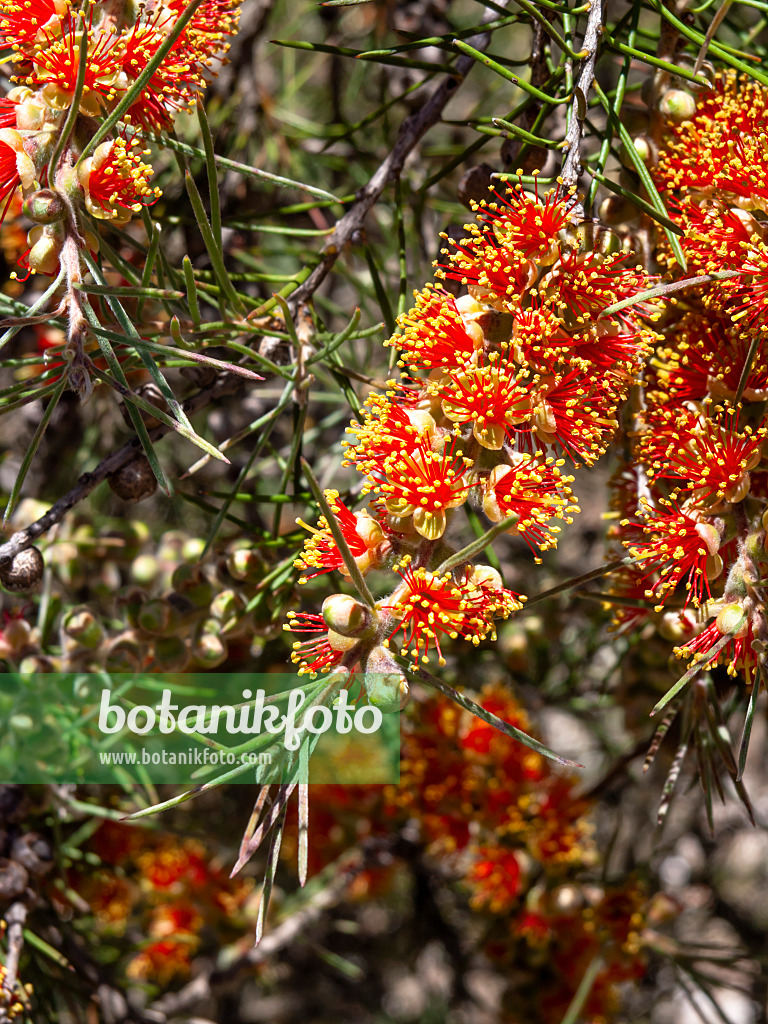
{"points": [[384, 682], [345, 615], [158, 617], [245, 565], [227, 605], [171, 654], [210, 650], [44, 207], [191, 582], [145, 569], [732, 621], [678, 105], [125, 654], [82, 626]]}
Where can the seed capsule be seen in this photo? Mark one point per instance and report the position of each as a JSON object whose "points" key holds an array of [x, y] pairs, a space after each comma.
{"points": [[23, 572], [134, 481]]}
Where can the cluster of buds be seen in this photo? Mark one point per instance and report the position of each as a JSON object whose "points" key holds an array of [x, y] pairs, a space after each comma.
{"points": [[692, 505], [508, 828], [501, 388], [173, 612], [77, 66]]}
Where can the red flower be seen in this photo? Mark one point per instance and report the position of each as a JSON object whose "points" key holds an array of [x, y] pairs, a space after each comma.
{"points": [[711, 456], [521, 221], [115, 181], [584, 284], [430, 607], [55, 62], [434, 334], [322, 650], [738, 652], [21, 23], [536, 491], [494, 272], [495, 879], [420, 471], [679, 548], [722, 147], [363, 534], [495, 397]]}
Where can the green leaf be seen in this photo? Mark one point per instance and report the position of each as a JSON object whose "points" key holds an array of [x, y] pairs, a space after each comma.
{"points": [[487, 716], [176, 146], [210, 169], [213, 248], [34, 444], [333, 525], [645, 177]]}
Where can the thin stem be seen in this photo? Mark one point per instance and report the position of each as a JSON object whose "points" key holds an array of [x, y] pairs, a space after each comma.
{"points": [[572, 162]]}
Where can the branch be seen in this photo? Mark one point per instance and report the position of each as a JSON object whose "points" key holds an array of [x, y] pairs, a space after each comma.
{"points": [[15, 919], [22, 539], [411, 131], [572, 162]]}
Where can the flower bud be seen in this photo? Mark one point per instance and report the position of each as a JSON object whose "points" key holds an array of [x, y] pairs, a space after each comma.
{"points": [[171, 654], [15, 636], [677, 626], [245, 565], [145, 569], [384, 682], [125, 654], [337, 642], [732, 621], [193, 584], [210, 650], [44, 207], [345, 615], [82, 626], [617, 210], [678, 105], [227, 605], [645, 150], [45, 250], [158, 617]]}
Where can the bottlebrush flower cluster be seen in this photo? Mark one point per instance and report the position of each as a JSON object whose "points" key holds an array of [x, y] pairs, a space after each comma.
{"points": [[131, 874], [693, 502], [92, 53], [508, 828], [503, 387]]}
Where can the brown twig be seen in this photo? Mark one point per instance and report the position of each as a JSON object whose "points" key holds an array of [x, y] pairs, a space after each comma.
{"points": [[411, 131], [15, 918], [22, 539]]}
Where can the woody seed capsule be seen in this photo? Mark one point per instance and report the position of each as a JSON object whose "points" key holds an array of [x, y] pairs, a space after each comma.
{"points": [[23, 572]]}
